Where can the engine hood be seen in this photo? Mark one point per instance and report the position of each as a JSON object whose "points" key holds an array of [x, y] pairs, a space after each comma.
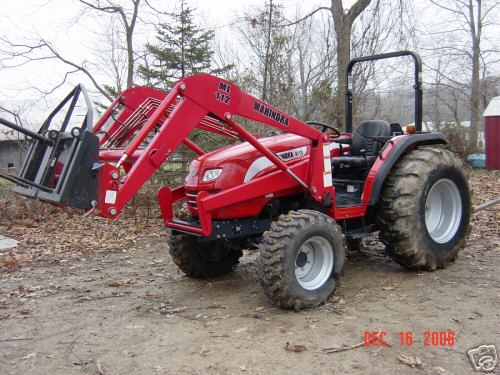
{"points": [[244, 151], [238, 159]]}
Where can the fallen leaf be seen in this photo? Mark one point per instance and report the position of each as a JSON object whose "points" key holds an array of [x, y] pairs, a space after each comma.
{"points": [[204, 352], [242, 329], [211, 323], [243, 368], [119, 283], [296, 348], [83, 362], [388, 288], [412, 361], [128, 354], [175, 310]]}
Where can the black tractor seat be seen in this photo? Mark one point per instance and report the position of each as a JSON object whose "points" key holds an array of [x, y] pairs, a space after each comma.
{"points": [[367, 140]]}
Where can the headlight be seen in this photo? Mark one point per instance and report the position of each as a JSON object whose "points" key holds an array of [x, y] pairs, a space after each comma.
{"points": [[211, 174]]}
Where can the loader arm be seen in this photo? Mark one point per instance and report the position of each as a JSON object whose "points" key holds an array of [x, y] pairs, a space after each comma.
{"points": [[192, 100]]}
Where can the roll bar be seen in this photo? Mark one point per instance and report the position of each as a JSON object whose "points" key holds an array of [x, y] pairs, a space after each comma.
{"points": [[417, 85]]}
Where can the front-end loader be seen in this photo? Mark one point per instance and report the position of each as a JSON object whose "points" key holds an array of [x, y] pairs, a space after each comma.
{"points": [[300, 197]]}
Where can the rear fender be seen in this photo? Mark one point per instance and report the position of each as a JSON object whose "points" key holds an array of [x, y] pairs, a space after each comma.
{"points": [[386, 161]]}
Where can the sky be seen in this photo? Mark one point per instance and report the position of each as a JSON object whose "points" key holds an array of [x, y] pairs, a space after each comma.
{"points": [[54, 20]]}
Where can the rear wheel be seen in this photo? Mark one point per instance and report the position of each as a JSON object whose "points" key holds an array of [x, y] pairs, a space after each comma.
{"points": [[301, 258], [425, 209], [201, 260]]}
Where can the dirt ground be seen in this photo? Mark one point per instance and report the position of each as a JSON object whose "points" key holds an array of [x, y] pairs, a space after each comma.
{"points": [[128, 310]]}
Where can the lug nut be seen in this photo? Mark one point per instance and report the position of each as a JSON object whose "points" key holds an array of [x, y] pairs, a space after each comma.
{"points": [[112, 211], [114, 175], [182, 86]]}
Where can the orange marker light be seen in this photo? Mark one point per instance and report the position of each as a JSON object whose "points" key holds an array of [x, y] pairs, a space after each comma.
{"points": [[410, 129]]}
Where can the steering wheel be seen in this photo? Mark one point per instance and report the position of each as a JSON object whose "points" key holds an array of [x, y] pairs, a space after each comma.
{"points": [[335, 133]]}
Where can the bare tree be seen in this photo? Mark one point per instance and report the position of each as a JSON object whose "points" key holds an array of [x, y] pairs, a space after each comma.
{"points": [[18, 54], [121, 15], [373, 36], [128, 19], [112, 57], [471, 17], [289, 65], [270, 48]]}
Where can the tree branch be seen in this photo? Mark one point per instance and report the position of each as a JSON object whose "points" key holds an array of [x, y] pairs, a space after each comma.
{"points": [[303, 18], [27, 52]]}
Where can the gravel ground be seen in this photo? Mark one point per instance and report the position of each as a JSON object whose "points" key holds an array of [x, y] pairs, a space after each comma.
{"points": [[126, 309]]}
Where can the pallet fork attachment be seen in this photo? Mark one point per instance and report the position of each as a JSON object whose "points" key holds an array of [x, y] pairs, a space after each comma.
{"points": [[60, 166]]}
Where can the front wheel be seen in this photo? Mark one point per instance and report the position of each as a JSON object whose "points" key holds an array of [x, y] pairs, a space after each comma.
{"points": [[202, 260], [301, 258], [425, 209]]}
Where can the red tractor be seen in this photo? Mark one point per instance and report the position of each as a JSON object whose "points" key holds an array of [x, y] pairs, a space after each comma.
{"points": [[301, 196]]}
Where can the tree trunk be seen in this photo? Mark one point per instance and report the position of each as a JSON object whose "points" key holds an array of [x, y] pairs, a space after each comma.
{"points": [[129, 29], [475, 25], [343, 30], [268, 46], [130, 59], [343, 20], [475, 95]]}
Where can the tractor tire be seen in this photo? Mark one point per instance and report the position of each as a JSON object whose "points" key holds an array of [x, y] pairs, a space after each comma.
{"points": [[425, 209], [301, 258], [203, 260]]}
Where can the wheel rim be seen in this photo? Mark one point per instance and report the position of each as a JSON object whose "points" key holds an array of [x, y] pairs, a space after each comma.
{"points": [[443, 210], [314, 263]]}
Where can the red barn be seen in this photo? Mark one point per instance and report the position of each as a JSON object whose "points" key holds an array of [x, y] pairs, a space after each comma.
{"points": [[492, 133]]}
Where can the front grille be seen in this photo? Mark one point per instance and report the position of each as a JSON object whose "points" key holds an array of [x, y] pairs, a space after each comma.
{"points": [[191, 199]]}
